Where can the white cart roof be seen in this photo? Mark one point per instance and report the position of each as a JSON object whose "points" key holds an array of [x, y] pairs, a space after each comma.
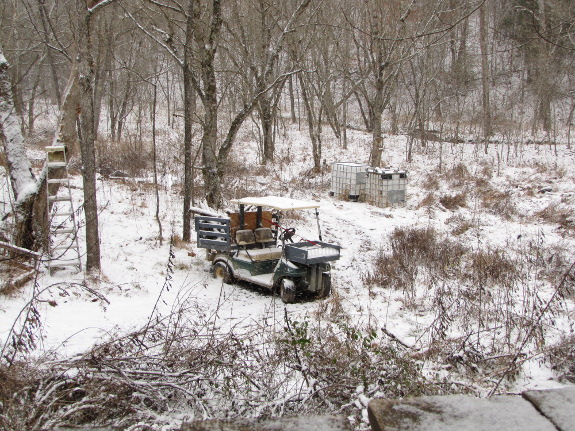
{"points": [[276, 202]]}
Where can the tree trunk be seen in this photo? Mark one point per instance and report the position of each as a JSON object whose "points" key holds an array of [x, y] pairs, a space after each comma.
{"points": [[21, 176], [67, 125], [570, 124], [210, 169], [266, 119], [155, 162], [24, 184], [189, 109], [17, 99], [344, 124], [87, 134], [364, 115], [328, 103], [32, 104], [375, 120], [209, 150], [291, 100], [314, 133], [208, 93], [487, 128], [210, 134], [103, 63], [123, 112], [112, 106], [394, 117], [543, 83]]}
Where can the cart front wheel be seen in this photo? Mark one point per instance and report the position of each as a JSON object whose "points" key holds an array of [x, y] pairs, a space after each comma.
{"points": [[223, 272], [287, 291]]}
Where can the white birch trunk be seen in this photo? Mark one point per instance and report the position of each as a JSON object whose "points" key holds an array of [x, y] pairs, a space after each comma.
{"points": [[23, 182]]}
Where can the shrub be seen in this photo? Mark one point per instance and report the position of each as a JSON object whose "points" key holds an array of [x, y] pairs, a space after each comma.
{"points": [[431, 181], [415, 252], [492, 267], [562, 358], [452, 202], [458, 175], [498, 202], [338, 359], [15, 380], [427, 201], [559, 215], [460, 224], [130, 156], [486, 169], [484, 303]]}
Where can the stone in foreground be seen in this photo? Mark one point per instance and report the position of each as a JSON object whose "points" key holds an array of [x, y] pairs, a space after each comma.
{"points": [[456, 413], [557, 405], [299, 423]]}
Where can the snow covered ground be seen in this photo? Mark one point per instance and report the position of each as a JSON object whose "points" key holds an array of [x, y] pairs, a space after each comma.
{"points": [[532, 179]]}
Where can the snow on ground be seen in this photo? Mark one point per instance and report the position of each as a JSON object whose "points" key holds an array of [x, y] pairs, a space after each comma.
{"points": [[134, 277]]}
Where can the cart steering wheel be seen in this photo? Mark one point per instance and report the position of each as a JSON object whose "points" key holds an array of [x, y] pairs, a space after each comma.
{"points": [[288, 234]]}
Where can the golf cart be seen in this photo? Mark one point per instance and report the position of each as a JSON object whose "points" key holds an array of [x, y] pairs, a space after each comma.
{"points": [[253, 246]]}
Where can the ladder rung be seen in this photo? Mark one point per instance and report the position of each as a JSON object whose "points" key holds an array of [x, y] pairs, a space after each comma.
{"points": [[64, 230], [65, 247], [59, 198], [64, 263], [56, 164], [59, 181], [55, 148]]}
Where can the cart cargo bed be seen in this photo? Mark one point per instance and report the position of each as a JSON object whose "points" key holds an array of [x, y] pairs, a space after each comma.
{"points": [[309, 253]]}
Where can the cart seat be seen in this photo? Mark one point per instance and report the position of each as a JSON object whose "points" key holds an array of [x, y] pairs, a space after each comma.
{"points": [[264, 235], [259, 254], [245, 237]]}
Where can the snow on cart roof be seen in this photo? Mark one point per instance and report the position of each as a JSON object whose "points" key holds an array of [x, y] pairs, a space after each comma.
{"points": [[277, 203]]}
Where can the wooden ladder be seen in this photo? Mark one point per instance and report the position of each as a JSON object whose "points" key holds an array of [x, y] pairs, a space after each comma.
{"points": [[63, 248]]}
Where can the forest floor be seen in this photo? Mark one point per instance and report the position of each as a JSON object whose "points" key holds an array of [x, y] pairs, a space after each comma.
{"points": [[469, 287]]}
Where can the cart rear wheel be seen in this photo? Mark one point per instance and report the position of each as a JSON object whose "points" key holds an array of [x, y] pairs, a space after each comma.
{"points": [[325, 288], [287, 291], [223, 272]]}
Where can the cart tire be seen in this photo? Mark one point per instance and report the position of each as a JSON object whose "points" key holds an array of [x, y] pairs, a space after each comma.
{"points": [[325, 289], [223, 272], [287, 291]]}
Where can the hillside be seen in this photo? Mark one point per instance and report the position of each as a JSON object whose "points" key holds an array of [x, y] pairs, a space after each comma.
{"points": [[468, 288]]}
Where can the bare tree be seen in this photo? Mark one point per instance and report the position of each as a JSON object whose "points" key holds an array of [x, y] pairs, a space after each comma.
{"points": [[542, 33], [86, 128], [204, 24], [257, 32], [214, 158], [381, 45]]}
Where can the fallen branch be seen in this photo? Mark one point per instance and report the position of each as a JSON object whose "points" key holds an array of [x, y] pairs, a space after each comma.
{"points": [[204, 212], [394, 338], [19, 250]]}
